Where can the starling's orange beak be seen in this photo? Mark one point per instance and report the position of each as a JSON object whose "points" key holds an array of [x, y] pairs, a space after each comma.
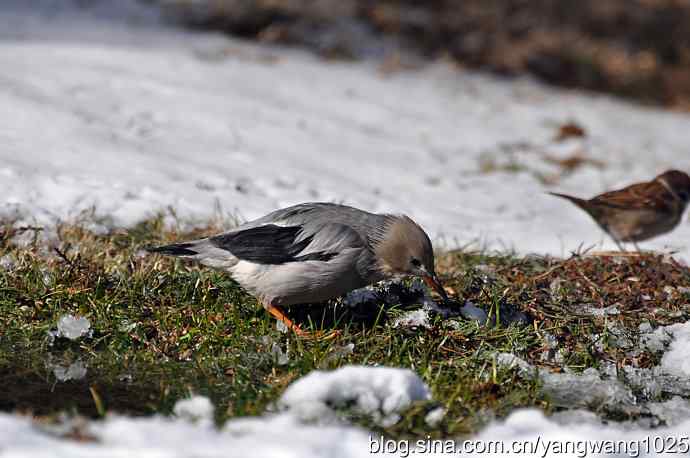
{"points": [[432, 281]]}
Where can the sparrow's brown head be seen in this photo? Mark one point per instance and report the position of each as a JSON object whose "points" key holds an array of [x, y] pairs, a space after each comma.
{"points": [[678, 182]]}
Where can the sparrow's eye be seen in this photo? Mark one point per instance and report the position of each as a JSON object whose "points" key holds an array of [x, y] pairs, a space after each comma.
{"points": [[684, 195], [416, 262]]}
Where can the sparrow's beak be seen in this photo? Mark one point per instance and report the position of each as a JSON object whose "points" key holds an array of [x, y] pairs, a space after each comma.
{"points": [[432, 281]]}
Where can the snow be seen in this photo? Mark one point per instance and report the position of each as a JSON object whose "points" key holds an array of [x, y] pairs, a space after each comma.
{"points": [[117, 436], [71, 327], [285, 435], [75, 371], [588, 389], [531, 428], [301, 429], [435, 416], [105, 107], [655, 340], [7, 262], [672, 412], [195, 408], [418, 318], [380, 392], [675, 360]]}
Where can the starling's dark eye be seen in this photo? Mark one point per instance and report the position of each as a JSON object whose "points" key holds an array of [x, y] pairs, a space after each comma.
{"points": [[416, 262], [684, 195]]}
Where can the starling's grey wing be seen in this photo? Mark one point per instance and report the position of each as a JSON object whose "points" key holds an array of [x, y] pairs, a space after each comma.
{"points": [[268, 244], [272, 244], [311, 231], [369, 226], [327, 239], [334, 261]]}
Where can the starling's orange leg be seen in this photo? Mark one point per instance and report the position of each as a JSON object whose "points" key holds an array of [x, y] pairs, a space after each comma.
{"points": [[280, 316]]}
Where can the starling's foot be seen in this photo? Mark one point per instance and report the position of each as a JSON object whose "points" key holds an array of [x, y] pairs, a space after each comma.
{"points": [[291, 325]]}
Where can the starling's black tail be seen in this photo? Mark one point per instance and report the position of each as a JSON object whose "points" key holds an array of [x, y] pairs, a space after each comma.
{"points": [[176, 249]]}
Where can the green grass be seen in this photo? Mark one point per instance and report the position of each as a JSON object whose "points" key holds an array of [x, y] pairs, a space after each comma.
{"points": [[164, 328]]}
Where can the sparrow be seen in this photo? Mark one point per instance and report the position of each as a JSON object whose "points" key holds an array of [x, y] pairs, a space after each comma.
{"points": [[640, 211], [313, 252]]}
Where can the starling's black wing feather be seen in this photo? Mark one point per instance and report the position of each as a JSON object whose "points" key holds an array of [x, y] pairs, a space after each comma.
{"points": [[269, 244]]}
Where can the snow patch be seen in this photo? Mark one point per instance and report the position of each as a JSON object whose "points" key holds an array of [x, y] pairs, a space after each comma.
{"points": [[675, 361], [7, 262], [413, 319], [71, 327], [672, 412], [152, 124], [654, 340], [434, 417], [280, 357], [196, 409], [532, 426], [574, 390], [380, 392], [75, 371]]}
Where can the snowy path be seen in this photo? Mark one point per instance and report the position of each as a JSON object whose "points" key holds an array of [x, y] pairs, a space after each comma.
{"points": [[132, 119]]}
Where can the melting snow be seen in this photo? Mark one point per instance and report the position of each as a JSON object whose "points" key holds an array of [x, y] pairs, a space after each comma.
{"points": [[413, 319], [654, 340], [675, 361], [372, 390], [572, 390], [379, 392], [672, 412], [7, 262], [435, 416], [135, 118], [195, 408], [280, 357], [72, 327], [75, 371]]}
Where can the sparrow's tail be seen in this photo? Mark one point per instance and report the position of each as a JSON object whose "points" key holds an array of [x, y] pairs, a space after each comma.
{"points": [[582, 203], [592, 209]]}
